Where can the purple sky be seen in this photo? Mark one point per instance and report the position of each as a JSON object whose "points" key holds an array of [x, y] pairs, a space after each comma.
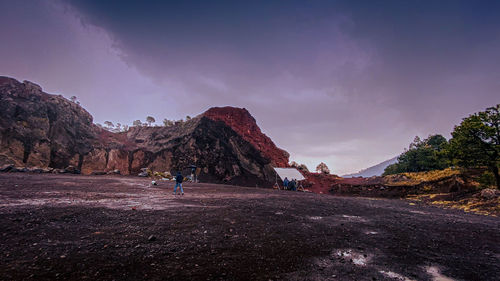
{"points": [[349, 83]]}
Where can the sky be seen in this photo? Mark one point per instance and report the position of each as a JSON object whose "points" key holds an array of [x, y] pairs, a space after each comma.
{"points": [[348, 83]]}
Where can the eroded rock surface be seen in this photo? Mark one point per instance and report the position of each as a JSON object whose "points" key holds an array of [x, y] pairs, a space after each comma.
{"points": [[43, 130]]}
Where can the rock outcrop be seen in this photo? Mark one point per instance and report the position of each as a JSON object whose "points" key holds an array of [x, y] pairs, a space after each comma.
{"points": [[42, 130], [38, 129], [244, 124]]}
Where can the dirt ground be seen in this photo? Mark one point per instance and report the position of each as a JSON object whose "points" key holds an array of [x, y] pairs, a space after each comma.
{"points": [[59, 227]]}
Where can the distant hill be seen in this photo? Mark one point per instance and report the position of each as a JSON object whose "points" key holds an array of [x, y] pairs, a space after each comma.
{"points": [[376, 170]]}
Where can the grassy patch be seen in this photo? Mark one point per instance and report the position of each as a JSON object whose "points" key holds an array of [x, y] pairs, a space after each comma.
{"points": [[412, 179]]}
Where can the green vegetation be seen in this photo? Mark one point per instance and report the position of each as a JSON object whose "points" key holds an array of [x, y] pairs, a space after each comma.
{"points": [[168, 123], [322, 168], [150, 120], [474, 143], [415, 178], [300, 167], [422, 155]]}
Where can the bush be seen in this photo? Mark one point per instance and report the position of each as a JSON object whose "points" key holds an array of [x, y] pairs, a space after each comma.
{"points": [[487, 179]]}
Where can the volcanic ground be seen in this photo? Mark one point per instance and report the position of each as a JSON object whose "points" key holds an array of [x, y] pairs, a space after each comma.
{"points": [[59, 227]]}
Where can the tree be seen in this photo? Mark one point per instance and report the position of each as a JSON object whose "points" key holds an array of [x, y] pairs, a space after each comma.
{"points": [[300, 167], [108, 124], [150, 119], [476, 141], [303, 168], [422, 155], [168, 123], [137, 123], [73, 99], [125, 128], [118, 127], [322, 168], [188, 118]]}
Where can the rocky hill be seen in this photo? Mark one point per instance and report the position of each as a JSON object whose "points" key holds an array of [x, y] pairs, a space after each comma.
{"points": [[48, 131]]}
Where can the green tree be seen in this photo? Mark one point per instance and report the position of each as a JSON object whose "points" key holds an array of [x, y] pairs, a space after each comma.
{"points": [[137, 123], [422, 155], [476, 141], [150, 119], [322, 168], [168, 123], [108, 124]]}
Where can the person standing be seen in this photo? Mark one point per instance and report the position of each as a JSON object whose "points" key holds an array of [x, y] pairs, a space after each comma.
{"points": [[292, 185], [178, 183], [285, 183]]}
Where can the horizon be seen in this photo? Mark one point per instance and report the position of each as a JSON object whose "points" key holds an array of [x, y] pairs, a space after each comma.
{"points": [[347, 84]]}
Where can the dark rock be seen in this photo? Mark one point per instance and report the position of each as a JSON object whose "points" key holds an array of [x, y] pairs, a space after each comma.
{"points": [[36, 170], [151, 238], [71, 170], [6, 168], [490, 193], [58, 171], [21, 169], [98, 173]]}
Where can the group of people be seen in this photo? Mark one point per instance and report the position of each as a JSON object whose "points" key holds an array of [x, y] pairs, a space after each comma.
{"points": [[287, 184], [290, 184]]}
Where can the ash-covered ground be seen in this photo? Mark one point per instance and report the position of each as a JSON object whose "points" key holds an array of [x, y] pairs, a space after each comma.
{"points": [[59, 227]]}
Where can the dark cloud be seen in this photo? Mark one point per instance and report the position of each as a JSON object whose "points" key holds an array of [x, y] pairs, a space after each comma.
{"points": [[345, 82]]}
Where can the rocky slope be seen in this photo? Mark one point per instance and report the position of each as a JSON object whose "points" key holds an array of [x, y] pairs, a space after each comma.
{"points": [[47, 131], [244, 124]]}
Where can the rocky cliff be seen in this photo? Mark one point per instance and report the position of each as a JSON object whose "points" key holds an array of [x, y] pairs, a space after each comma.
{"points": [[244, 124], [48, 131]]}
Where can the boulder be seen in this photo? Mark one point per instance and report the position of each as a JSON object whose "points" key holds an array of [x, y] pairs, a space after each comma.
{"points": [[71, 170], [6, 168], [490, 193], [59, 171]]}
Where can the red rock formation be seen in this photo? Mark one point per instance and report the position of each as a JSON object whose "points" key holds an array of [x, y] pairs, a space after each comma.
{"points": [[43, 130], [240, 120]]}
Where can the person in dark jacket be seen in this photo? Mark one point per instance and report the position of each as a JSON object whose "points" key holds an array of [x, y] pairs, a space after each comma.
{"points": [[178, 182], [285, 183]]}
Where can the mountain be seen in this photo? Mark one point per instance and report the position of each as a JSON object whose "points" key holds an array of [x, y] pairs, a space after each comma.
{"points": [[376, 170], [41, 130]]}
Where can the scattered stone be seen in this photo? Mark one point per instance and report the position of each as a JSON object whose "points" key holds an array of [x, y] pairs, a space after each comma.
{"points": [[143, 173], [72, 170], [6, 168], [36, 170], [152, 238], [59, 171]]}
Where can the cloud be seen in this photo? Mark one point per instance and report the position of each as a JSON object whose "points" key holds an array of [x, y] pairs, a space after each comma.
{"points": [[346, 83]]}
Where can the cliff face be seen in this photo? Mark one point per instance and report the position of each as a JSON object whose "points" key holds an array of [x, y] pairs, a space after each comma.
{"points": [[42, 130], [38, 129], [240, 120]]}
